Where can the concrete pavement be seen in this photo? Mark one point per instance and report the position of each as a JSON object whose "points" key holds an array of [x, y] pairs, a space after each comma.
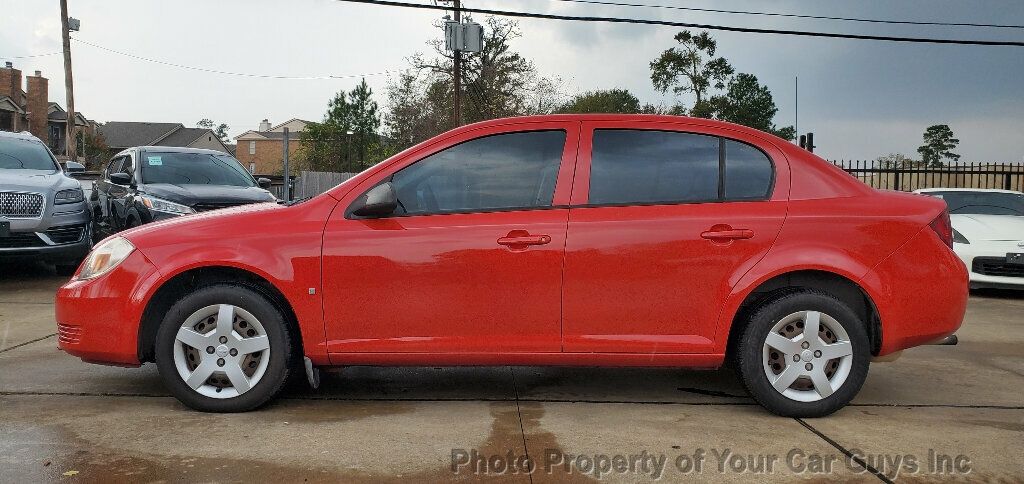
{"points": [[953, 411]]}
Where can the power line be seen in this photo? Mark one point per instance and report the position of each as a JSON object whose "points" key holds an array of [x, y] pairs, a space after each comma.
{"points": [[621, 20], [230, 73], [31, 56], [793, 15]]}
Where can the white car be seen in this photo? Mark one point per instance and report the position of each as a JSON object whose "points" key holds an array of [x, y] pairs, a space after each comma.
{"points": [[988, 233]]}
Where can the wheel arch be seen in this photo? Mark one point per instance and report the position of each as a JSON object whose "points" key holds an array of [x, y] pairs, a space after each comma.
{"points": [[187, 281], [840, 286]]}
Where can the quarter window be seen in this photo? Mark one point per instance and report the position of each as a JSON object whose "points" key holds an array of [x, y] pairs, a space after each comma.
{"points": [[748, 172], [504, 171], [636, 166]]}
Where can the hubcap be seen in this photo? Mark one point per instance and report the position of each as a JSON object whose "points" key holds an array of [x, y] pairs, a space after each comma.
{"points": [[807, 356], [221, 351]]}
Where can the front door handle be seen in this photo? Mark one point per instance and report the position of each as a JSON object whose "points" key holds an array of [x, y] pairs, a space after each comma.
{"points": [[522, 238], [723, 234]]}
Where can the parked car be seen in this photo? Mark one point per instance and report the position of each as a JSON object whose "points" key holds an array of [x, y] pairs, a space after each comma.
{"points": [[43, 214], [597, 240], [147, 183], [988, 233]]}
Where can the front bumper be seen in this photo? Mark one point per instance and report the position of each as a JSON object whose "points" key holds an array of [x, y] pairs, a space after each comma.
{"points": [[61, 234], [989, 249], [98, 319]]}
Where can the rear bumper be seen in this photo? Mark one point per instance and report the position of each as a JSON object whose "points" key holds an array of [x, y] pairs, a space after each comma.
{"points": [[98, 319], [921, 293]]}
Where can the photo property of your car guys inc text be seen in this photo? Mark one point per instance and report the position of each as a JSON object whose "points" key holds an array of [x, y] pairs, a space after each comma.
{"points": [[532, 241]]}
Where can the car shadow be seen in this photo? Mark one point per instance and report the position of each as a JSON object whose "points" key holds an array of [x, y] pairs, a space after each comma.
{"points": [[998, 293]]}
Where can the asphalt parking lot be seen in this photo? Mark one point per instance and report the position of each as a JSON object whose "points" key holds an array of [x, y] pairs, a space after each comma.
{"points": [[953, 411]]}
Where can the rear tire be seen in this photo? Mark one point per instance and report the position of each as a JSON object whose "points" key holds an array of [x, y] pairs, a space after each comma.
{"points": [[796, 374], [224, 348]]}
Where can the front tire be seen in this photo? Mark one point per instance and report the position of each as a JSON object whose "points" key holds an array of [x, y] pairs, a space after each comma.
{"points": [[224, 348], [803, 354]]}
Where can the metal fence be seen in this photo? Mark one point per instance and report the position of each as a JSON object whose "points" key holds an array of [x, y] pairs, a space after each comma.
{"points": [[310, 183], [1006, 176]]}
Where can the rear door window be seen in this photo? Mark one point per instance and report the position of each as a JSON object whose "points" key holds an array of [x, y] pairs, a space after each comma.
{"points": [[644, 167]]}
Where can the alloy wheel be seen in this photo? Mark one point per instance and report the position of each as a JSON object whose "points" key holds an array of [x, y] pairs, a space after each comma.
{"points": [[807, 356], [221, 351]]}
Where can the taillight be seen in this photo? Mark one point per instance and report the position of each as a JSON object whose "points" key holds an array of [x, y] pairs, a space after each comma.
{"points": [[943, 228]]}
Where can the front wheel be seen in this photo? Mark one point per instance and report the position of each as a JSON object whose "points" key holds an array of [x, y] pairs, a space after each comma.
{"points": [[804, 354], [224, 348]]}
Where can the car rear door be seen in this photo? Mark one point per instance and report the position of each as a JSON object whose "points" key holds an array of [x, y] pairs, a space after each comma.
{"points": [[657, 236], [472, 263]]}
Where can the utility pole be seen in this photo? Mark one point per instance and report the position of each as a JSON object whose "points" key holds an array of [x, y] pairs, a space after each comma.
{"points": [[71, 141], [457, 72], [796, 104], [286, 189]]}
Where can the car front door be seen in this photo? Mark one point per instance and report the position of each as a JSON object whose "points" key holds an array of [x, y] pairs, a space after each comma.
{"points": [[471, 262], [658, 236], [101, 198]]}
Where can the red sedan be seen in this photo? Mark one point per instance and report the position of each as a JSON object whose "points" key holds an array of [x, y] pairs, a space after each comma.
{"points": [[598, 240]]}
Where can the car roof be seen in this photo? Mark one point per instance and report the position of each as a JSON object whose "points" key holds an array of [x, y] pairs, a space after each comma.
{"points": [[25, 135], [172, 149], [982, 190]]}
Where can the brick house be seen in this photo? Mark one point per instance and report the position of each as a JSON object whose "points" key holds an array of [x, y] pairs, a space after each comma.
{"points": [[126, 134], [30, 109], [261, 150]]}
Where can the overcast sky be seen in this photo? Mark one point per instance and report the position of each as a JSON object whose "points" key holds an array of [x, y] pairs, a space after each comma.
{"points": [[862, 99]]}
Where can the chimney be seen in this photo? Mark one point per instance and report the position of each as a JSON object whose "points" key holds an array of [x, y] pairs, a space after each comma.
{"points": [[10, 82], [37, 105], [264, 125]]}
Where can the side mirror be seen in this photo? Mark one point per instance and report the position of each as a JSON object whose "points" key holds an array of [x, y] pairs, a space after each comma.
{"points": [[73, 167], [121, 178], [380, 201], [264, 183]]}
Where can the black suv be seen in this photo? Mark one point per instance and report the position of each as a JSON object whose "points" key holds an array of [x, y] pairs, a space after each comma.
{"points": [[147, 183]]}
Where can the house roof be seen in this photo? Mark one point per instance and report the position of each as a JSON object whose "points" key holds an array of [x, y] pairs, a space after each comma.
{"points": [[184, 136], [8, 104], [289, 121], [56, 113], [248, 135], [124, 134]]}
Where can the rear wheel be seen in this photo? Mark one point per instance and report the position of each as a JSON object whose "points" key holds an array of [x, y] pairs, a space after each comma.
{"points": [[224, 348], [804, 354]]}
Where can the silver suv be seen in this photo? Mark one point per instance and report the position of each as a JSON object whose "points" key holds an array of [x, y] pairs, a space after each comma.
{"points": [[43, 212]]}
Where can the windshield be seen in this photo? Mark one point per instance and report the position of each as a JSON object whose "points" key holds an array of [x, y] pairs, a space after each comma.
{"points": [[982, 203], [25, 154], [194, 169]]}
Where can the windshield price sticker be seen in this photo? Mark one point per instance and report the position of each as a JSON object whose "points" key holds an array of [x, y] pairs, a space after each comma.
{"points": [[154, 160]]}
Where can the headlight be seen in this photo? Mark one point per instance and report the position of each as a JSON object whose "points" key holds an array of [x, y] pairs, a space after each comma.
{"points": [[105, 257], [71, 195], [959, 238], [161, 205]]}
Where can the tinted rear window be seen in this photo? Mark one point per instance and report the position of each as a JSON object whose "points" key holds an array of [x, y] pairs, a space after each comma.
{"points": [[982, 203]]}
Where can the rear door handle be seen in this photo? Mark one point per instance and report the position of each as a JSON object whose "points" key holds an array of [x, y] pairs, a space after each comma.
{"points": [[727, 234], [525, 240], [522, 238]]}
